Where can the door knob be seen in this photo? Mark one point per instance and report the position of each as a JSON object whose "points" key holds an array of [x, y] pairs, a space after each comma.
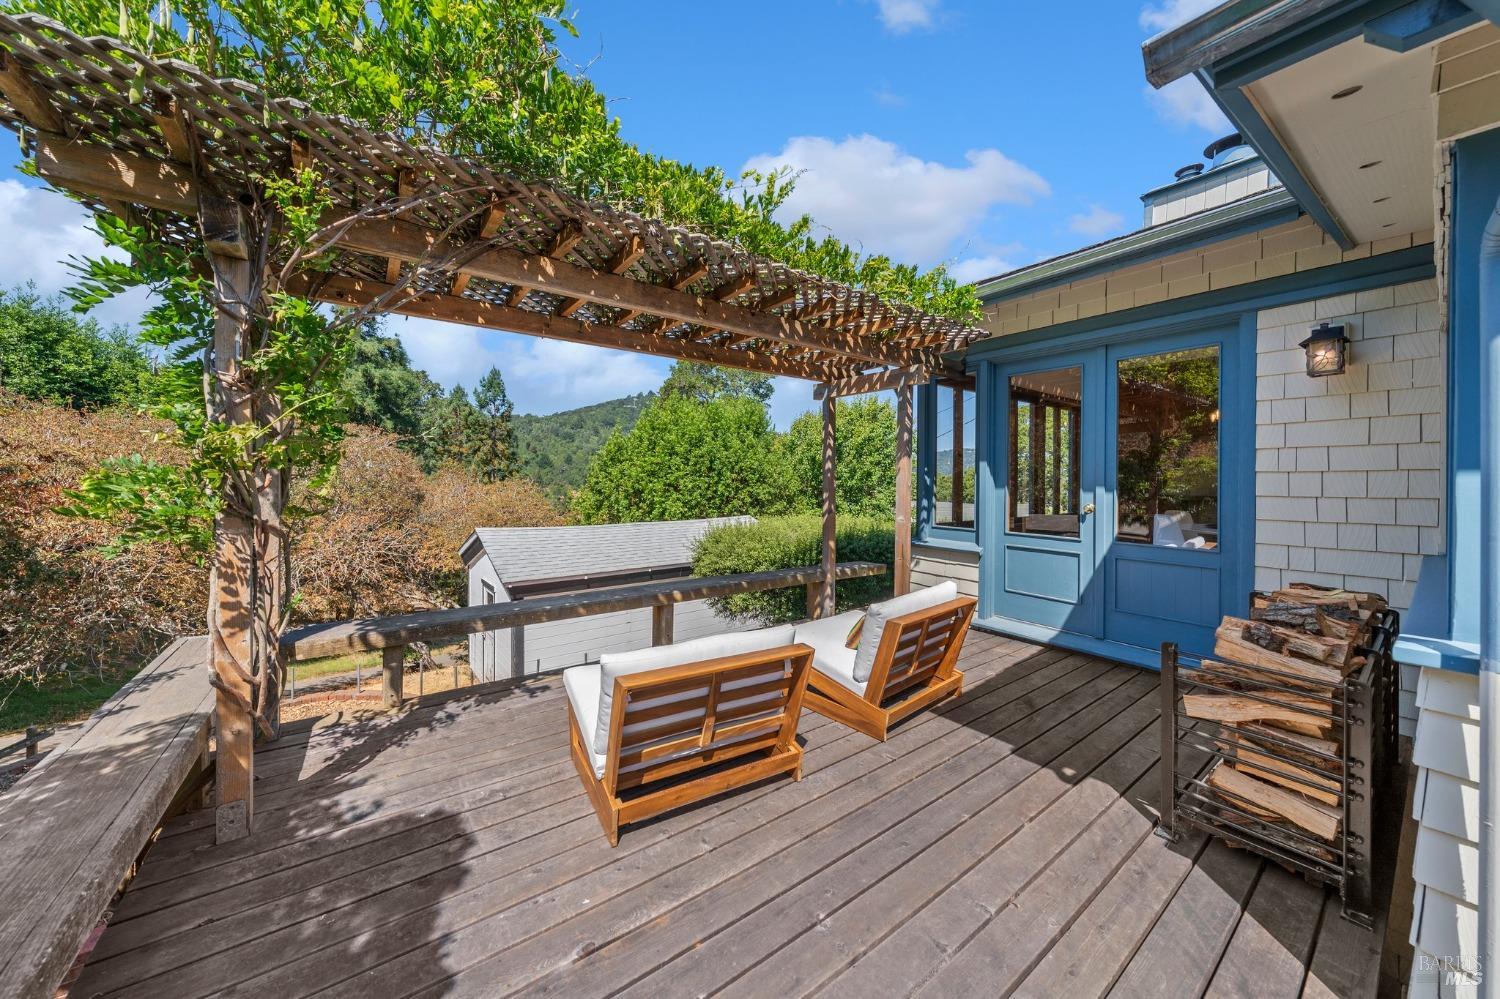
{"points": [[1088, 508]]}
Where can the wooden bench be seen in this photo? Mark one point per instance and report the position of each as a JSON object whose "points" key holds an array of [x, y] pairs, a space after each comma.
{"points": [[73, 826]]}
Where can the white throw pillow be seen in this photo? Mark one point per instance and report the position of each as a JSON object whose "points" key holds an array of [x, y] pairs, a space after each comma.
{"points": [[614, 665], [879, 614]]}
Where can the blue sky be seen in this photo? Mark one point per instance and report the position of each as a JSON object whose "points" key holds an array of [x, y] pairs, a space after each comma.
{"points": [[985, 135]]}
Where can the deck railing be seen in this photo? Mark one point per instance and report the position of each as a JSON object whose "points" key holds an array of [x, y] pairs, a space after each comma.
{"points": [[392, 635]]}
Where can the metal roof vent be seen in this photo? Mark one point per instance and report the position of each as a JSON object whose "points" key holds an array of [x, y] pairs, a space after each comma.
{"points": [[1230, 149], [1191, 170]]}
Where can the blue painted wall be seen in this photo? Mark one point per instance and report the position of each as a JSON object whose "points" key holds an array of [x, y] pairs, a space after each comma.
{"points": [[1476, 183]]}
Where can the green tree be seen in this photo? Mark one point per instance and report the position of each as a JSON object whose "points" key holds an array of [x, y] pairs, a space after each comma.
{"points": [[449, 428], [864, 448], [684, 460], [50, 353], [494, 456], [381, 388], [706, 382]]}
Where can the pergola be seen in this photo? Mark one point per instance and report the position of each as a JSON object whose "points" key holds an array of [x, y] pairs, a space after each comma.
{"points": [[417, 232]]}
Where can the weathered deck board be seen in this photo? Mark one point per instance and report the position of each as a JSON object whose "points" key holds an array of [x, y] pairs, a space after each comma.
{"points": [[999, 843]]}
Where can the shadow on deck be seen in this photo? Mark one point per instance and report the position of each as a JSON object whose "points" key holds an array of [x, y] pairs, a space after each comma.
{"points": [[1001, 844]]}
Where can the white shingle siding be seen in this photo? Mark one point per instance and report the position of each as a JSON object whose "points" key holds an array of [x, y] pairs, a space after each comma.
{"points": [[930, 566], [1349, 470], [1445, 806]]}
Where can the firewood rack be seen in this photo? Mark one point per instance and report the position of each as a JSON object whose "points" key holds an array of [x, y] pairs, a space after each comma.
{"points": [[1362, 710]]}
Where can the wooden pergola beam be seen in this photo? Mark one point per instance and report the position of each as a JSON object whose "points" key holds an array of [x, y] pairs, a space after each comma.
{"points": [[395, 237], [875, 381], [472, 312], [103, 173], [626, 256], [494, 218], [562, 244], [406, 185], [30, 100]]}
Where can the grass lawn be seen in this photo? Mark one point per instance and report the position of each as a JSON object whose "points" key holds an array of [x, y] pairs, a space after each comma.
{"points": [[312, 669], [53, 701]]}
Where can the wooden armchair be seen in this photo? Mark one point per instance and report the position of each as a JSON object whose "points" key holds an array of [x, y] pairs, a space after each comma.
{"points": [[665, 727], [907, 663]]}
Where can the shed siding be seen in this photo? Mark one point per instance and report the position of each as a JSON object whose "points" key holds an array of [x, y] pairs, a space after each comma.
{"points": [[1445, 806]]}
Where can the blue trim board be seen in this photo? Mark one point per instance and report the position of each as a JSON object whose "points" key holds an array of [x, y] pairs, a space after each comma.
{"points": [[1316, 34], [1258, 132], [1413, 264], [1026, 631], [1418, 23]]}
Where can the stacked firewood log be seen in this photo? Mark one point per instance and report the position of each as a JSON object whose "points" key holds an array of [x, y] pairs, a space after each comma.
{"points": [[1275, 695]]}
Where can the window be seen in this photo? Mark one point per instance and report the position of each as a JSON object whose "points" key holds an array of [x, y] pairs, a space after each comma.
{"points": [[954, 489], [487, 591], [1046, 420], [1167, 460]]}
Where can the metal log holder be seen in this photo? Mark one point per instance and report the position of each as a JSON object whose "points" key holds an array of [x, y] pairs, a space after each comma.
{"points": [[1362, 712]]}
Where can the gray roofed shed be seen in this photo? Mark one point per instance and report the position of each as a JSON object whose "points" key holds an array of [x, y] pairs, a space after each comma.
{"points": [[521, 554]]}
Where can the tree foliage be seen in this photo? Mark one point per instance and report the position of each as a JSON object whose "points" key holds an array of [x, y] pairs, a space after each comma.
{"points": [[685, 460], [789, 542], [50, 353], [381, 389], [706, 382], [556, 448], [865, 452], [494, 455]]}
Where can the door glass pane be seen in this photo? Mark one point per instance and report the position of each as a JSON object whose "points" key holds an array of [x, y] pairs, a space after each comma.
{"points": [[1167, 463], [1045, 427], [953, 495]]}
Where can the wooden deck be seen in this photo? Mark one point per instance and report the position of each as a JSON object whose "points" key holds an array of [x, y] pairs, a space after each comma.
{"points": [[999, 845]]}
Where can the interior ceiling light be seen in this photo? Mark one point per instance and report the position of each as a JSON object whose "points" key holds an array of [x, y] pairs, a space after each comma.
{"points": [[1348, 92]]}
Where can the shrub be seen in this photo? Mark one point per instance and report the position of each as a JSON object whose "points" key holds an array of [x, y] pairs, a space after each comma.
{"points": [[786, 543], [686, 459], [865, 451]]}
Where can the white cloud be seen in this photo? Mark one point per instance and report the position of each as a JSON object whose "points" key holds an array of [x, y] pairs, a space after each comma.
{"points": [[973, 269], [42, 230], [901, 16], [1096, 222], [541, 376], [870, 192], [1185, 102], [886, 97], [1170, 13]]}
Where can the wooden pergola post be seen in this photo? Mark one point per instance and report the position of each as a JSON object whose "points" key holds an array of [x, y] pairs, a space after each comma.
{"points": [[830, 505], [901, 577], [232, 589]]}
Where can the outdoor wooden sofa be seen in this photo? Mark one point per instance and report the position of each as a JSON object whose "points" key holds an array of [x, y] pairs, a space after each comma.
{"points": [[902, 660], [664, 727]]}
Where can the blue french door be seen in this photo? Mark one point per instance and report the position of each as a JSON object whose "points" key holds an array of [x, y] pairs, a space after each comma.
{"points": [[1123, 475], [1051, 448], [1175, 479]]}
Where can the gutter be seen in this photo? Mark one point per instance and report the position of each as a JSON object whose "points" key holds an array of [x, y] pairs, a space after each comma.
{"points": [[1489, 602], [1227, 29]]}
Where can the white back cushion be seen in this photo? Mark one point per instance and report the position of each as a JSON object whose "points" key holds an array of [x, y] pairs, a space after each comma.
{"points": [[612, 666], [879, 614], [1166, 531]]}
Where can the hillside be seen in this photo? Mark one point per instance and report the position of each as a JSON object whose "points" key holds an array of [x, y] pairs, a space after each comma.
{"points": [[556, 448]]}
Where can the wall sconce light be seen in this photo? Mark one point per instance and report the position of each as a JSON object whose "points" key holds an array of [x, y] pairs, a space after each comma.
{"points": [[1327, 350]]}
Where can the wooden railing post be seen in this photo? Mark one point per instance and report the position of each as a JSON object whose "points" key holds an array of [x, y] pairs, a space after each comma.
{"points": [[815, 599], [661, 624], [393, 672], [518, 652]]}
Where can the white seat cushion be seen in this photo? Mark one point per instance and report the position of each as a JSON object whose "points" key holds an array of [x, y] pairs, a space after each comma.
{"points": [[878, 614], [582, 686], [615, 665], [1166, 531], [829, 638]]}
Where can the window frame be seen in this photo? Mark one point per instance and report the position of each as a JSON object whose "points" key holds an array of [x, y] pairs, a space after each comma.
{"points": [[928, 532]]}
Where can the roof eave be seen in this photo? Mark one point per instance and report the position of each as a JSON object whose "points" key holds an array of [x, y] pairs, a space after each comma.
{"points": [[1224, 31], [1162, 239]]}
